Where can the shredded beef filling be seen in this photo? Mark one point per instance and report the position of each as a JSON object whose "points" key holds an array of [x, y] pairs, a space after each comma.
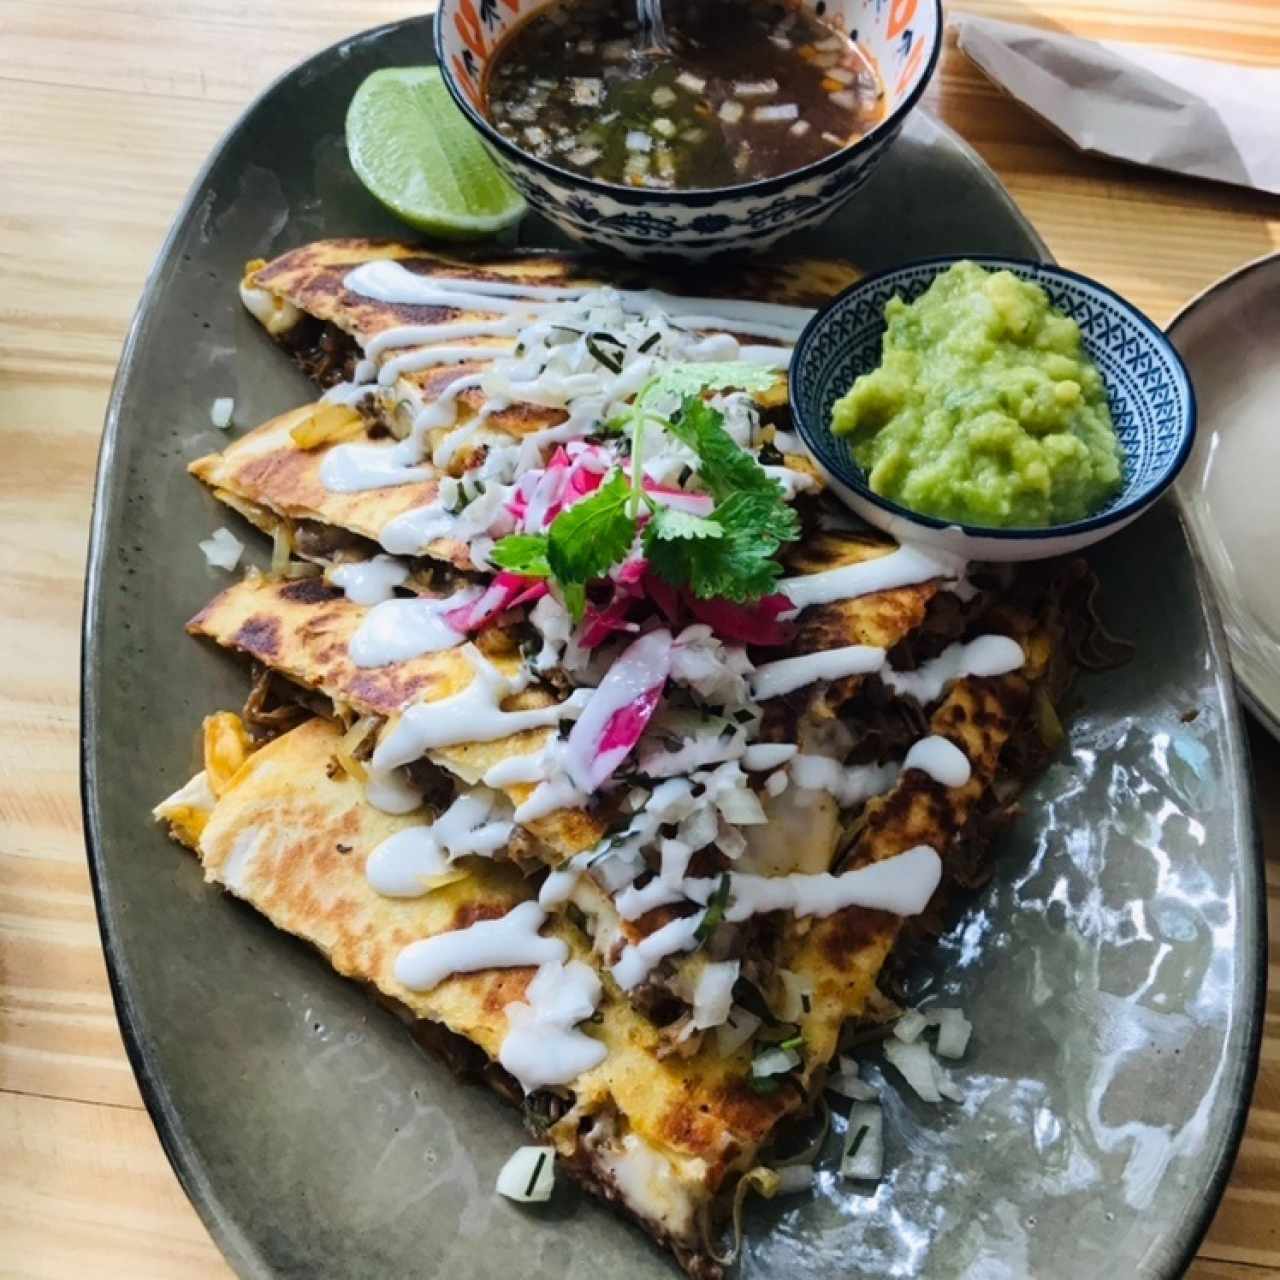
{"points": [[317, 541], [324, 352]]}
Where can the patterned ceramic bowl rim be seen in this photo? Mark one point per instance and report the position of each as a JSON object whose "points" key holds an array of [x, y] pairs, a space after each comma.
{"points": [[693, 195], [816, 435]]}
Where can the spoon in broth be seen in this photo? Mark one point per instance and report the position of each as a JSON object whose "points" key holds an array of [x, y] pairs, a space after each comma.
{"points": [[653, 30]]}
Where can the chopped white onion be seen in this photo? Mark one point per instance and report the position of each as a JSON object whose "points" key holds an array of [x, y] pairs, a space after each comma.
{"points": [[775, 113], [220, 412], [535, 134], [832, 138], [639, 141], [797, 991], [761, 756], [735, 1030], [954, 1030], [780, 41], [693, 135], [713, 994], [586, 91], [847, 1082], [923, 1072], [755, 88], [774, 1062], [582, 156], [663, 96], [799, 129], [687, 80], [793, 1178], [663, 127], [741, 806], [222, 549], [731, 112], [863, 1157], [943, 1082], [916, 1064], [841, 74], [843, 98], [529, 1175], [829, 44], [909, 1027]]}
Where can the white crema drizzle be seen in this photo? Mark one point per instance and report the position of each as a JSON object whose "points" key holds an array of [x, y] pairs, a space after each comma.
{"points": [[542, 1045], [548, 362], [473, 715], [984, 656], [400, 629]]}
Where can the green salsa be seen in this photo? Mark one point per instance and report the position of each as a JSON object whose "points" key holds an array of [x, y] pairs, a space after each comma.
{"points": [[985, 409]]}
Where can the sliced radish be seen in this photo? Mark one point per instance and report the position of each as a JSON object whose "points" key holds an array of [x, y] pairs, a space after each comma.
{"points": [[617, 712]]}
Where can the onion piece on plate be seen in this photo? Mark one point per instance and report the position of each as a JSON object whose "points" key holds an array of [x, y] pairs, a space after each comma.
{"points": [[529, 1175], [863, 1157]]}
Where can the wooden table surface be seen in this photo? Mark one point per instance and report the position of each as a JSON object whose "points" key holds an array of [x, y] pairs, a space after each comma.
{"points": [[107, 110]]}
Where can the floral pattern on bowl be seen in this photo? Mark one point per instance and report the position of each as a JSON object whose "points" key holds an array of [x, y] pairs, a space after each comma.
{"points": [[902, 38]]}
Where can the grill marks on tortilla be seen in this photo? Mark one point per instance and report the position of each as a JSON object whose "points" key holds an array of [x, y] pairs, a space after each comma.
{"points": [[694, 1107], [308, 639], [882, 618], [265, 468], [310, 646], [846, 951], [258, 635]]}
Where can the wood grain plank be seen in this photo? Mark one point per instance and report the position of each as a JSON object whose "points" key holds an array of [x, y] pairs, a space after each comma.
{"points": [[108, 109], [1210, 1269], [85, 1191]]}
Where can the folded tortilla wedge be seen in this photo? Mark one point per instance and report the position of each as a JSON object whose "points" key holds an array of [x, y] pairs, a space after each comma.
{"points": [[661, 1137], [303, 629], [303, 301], [666, 1136]]}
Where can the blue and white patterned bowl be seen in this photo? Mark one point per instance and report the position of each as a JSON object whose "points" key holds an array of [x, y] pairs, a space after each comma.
{"points": [[902, 37], [1150, 396]]}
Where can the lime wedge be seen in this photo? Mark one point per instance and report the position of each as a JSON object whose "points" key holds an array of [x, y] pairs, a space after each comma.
{"points": [[416, 153]]}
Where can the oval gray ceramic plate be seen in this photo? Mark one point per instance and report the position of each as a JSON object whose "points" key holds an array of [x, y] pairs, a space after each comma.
{"points": [[1113, 970], [1229, 337]]}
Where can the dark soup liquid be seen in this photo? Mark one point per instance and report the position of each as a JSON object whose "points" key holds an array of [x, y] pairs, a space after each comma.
{"points": [[750, 89]]}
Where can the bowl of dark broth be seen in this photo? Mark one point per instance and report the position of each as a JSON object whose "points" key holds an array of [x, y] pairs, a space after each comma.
{"points": [[758, 118]]}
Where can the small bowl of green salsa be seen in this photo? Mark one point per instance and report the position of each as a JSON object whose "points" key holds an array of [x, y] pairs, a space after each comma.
{"points": [[1000, 408]]}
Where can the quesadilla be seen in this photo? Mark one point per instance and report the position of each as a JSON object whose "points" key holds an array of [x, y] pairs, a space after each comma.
{"points": [[658, 1137], [605, 749], [433, 352], [666, 1136]]}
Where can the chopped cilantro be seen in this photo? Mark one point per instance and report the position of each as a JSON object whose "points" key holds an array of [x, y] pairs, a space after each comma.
{"points": [[668, 524], [691, 379], [523, 553], [586, 541], [714, 913], [729, 555]]}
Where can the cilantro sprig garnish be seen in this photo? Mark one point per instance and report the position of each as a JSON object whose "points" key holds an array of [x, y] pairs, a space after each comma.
{"points": [[729, 554]]}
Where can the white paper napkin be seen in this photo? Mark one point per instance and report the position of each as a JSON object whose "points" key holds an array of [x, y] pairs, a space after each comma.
{"points": [[1190, 115]]}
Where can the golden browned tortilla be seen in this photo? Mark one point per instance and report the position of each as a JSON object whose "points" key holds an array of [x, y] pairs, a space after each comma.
{"points": [[298, 294], [303, 630], [661, 1135], [667, 1136], [266, 476], [301, 300], [666, 1126]]}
